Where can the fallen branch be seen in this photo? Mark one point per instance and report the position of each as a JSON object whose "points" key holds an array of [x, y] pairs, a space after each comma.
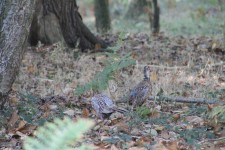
{"points": [[184, 67], [186, 100]]}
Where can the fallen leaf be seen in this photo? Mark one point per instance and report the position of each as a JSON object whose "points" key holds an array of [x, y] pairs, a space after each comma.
{"points": [[31, 69], [154, 76], [165, 134], [85, 113], [69, 112], [158, 127], [176, 117], [154, 114], [170, 145], [14, 118], [113, 147], [166, 145], [195, 120], [137, 148], [123, 127], [21, 125], [28, 129]]}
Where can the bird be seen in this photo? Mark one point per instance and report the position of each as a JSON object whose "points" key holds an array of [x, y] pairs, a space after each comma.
{"points": [[104, 106], [139, 94]]}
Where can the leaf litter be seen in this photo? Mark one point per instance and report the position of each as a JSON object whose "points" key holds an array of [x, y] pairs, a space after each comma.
{"points": [[188, 67]]}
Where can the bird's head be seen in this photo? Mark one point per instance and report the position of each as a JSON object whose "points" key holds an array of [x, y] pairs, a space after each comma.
{"points": [[147, 71]]}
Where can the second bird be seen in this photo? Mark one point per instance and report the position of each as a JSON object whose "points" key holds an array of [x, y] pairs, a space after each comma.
{"points": [[139, 94]]}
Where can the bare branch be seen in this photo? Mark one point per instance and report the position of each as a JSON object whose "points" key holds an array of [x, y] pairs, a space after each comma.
{"points": [[186, 100]]}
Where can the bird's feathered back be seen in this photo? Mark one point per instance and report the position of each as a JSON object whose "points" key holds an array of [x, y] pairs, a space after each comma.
{"points": [[104, 106], [140, 92]]}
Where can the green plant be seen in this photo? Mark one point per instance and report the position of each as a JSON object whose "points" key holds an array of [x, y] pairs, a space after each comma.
{"points": [[113, 63], [217, 113], [143, 111], [58, 135]]}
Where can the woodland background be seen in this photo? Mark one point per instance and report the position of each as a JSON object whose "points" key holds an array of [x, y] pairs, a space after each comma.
{"points": [[187, 56]]}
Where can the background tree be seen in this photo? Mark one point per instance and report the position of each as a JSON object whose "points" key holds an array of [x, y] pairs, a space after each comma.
{"points": [[136, 8], [153, 14], [15, 21], [56, 18], [102, 16]]}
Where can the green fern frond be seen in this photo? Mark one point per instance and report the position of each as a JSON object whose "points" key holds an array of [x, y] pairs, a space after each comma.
{"points": [[113, 63], [57, 135], [218, 113]]}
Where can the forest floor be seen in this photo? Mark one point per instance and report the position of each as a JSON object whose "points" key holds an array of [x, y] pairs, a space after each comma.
{"points": [[191, 66], [185, 67]]}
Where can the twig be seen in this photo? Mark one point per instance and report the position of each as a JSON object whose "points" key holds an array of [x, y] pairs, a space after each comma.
{"points": [[212, 140], [186, 100], [185, 67], [218, 139]]}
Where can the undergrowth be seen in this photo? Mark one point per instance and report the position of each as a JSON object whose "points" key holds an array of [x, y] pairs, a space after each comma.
{"points": [[113, 63]]}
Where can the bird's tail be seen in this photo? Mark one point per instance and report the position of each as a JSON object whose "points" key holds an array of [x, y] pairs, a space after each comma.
{"points": [[121, 110]]}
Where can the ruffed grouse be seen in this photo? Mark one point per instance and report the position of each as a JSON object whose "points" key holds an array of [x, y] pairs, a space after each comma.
{"points": [[104, 106], [139, 94]]}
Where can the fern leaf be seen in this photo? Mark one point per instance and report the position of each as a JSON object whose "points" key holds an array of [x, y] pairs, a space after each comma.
{"points": [[57, 135]]}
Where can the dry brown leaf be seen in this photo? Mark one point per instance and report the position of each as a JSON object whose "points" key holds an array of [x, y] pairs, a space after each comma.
{"points": [[159, 146], [154, 114], [140, 142], [14, 118], [165, 134], [21, 125], [170, 145], [158, 127], [123, 127], [13, 100], [176, 117], [195, 120], [210, 107], [113, 147], [154, 76], [28, 129], [97, 46], [137, 148], [45, 114], [166, 145], [85, 113], [69, 112], [31, 69]]}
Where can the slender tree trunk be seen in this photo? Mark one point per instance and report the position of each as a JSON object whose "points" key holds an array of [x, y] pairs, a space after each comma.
{"points": [[102, 16], [154, 16], [156, 10], [15, 21], [221, 4]]}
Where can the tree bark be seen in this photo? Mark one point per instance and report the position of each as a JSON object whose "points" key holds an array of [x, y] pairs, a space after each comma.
{"points": [[15, 21], [154, 16], [156, 10], [64, 13], [102, 16]]}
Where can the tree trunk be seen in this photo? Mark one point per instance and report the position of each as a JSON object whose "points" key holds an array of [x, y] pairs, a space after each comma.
{"points": [[136, 8], [15, 21], [102, 16], [221, 5], [56, 18], [154, 15], [156, 10]]}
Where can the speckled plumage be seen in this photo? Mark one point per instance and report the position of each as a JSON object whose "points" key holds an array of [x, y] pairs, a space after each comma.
{"points": [[103, 106], [140, 92]]}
